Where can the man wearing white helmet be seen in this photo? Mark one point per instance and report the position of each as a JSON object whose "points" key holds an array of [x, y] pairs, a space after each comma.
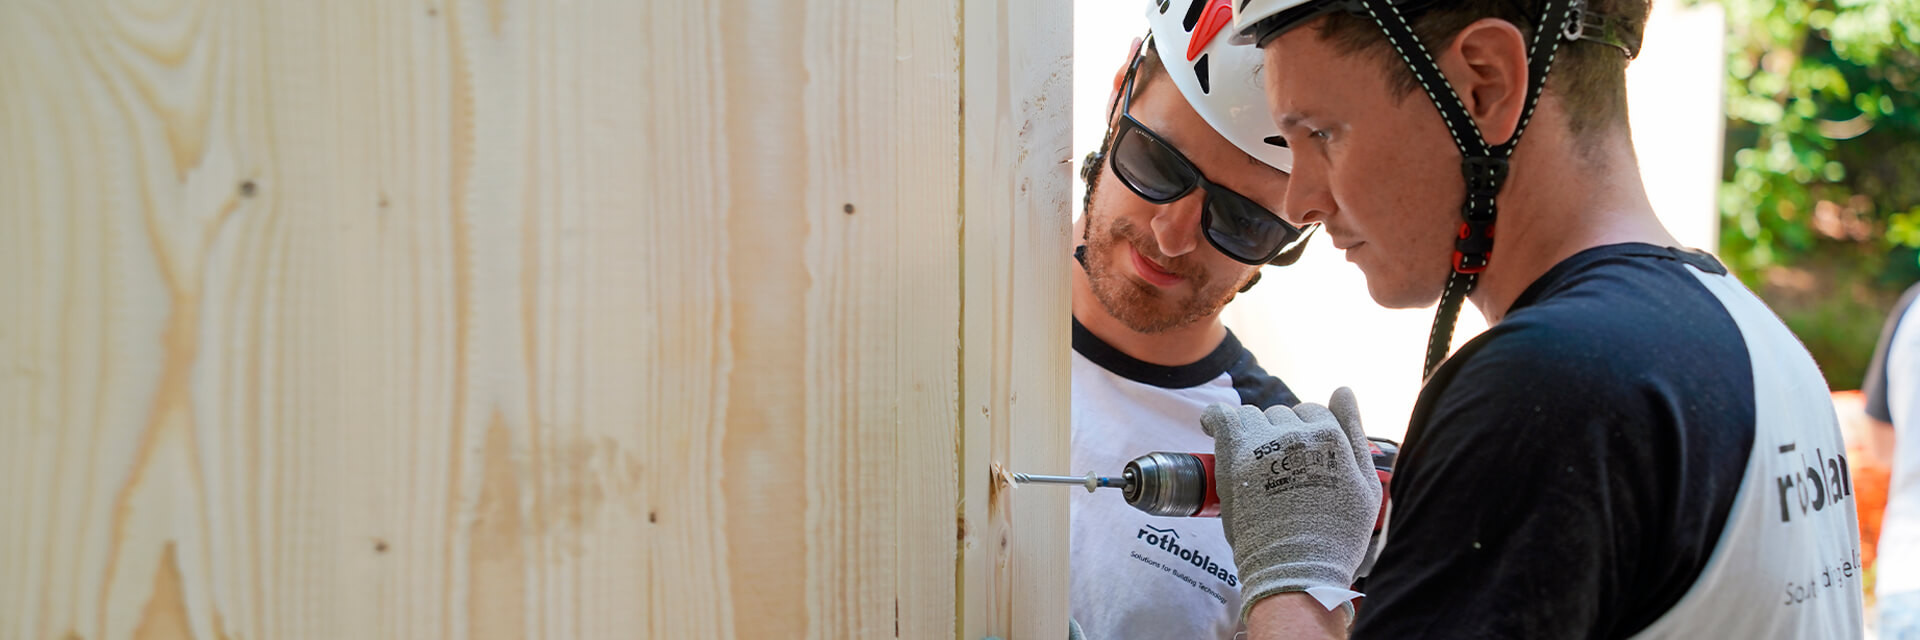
{"points": [[1636, 447], [1181, 214]]}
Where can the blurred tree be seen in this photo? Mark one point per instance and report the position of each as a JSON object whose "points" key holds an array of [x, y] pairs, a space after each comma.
{"points": [[1820, 206]]}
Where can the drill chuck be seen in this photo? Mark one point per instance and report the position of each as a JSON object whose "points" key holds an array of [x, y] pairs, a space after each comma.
{"points": [[1171, 484]]}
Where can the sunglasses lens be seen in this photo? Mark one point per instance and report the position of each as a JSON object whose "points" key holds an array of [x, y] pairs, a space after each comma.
{"points": [[1245, 230], [1150, 168]]}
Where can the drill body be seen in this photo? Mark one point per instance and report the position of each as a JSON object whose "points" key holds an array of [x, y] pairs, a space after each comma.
{"points": [[1182, 484]]}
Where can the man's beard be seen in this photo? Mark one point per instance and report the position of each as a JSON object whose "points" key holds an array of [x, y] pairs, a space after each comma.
{"points": [[1140, 306]]}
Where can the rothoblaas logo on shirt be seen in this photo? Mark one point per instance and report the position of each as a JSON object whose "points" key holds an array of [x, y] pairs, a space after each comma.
{"points": [[1822, 483], [1168, 540]]}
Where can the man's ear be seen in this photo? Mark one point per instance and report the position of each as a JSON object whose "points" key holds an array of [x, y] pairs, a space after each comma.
{"points": [[1120, 76], [1487, 64]]}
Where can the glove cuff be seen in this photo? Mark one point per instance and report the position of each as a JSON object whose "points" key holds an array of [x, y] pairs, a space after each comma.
{"points": [[1333, 598]]}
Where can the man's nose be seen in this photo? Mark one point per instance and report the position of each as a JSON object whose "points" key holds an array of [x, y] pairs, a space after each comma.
{"points": [[1176, 226], [1309, 200]]}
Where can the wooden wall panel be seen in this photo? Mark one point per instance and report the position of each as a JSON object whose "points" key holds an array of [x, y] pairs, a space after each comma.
{"points": [[526, 319], [1018, 82], [928, 252]]}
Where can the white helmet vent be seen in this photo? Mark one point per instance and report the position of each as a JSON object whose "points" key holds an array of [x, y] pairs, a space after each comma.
{"points": [[1194, 40], [1193, 14]]}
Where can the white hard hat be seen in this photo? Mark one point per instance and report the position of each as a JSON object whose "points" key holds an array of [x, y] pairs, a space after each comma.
{"points": [[1220, 80], [1255, 21]]}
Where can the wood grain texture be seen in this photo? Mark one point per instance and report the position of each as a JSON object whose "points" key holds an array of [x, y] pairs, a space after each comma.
{"points": [[928, 318], [1015, 338], [523, 319]]}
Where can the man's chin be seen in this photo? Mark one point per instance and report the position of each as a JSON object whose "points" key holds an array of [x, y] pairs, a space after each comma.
{"points": [[1139, 312], [1399, 295], [1151, 325]]}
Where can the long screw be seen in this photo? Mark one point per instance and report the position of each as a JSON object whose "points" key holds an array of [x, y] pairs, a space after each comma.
{"points": [[1090, 481]]}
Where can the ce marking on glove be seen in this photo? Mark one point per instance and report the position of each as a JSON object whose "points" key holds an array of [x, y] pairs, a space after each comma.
{"points": [[1297, 466]]}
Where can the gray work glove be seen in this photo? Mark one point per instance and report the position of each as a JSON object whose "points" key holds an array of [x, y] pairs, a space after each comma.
{"points": [[1298, 493]]}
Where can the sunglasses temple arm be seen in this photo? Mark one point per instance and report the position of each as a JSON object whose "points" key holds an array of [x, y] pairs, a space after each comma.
{"points": [[1299, 249]]}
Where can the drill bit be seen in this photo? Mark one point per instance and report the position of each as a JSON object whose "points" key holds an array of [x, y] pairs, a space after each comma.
{"points": [[1090, 481]]}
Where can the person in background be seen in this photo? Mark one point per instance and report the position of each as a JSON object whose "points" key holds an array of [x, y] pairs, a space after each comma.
{"points": [[1891, 387]]}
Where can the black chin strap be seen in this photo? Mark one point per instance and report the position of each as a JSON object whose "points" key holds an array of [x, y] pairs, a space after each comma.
{"points": [[1483, 165]]}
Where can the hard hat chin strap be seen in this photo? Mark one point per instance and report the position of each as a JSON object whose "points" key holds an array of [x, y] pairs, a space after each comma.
{"points": [[1483, 165]]}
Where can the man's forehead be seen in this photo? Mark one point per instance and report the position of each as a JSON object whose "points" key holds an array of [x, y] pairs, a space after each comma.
{"points": [[1292, 63], [1282, 93]]}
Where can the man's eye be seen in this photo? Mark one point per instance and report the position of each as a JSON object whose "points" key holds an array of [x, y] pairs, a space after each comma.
{"points": [[1320, 134]]}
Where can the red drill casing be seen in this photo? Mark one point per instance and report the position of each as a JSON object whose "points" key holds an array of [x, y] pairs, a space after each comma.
{"points": [[1173, 484]]}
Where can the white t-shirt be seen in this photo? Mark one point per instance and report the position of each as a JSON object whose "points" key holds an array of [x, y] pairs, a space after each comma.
{"points": [[1136, 575]]}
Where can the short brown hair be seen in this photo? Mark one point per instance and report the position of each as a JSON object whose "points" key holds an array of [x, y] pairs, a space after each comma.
{"points": [[1589, 78]]}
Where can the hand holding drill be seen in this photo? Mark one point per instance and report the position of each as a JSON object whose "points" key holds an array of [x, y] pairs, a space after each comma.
{"points": [[1299, 495], [1299, 490]]}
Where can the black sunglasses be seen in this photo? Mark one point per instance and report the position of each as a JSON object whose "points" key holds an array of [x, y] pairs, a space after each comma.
{"points": [[1157, 172]]}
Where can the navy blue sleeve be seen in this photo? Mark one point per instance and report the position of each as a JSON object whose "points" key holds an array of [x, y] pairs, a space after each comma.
{"points": [[1874, 386], [1257, 388], [1254, 385]]}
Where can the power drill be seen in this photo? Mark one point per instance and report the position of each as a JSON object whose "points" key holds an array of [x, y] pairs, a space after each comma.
{"points": [[1179, 485]]}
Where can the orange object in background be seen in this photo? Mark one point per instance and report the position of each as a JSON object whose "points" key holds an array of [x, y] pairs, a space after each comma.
{"points": [[1869, 477]]}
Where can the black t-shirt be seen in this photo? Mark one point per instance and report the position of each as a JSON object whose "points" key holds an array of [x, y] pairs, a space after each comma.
{"points": [[1568, 473]]}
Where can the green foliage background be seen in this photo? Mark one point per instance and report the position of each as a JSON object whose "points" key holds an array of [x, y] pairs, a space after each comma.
{"points": [[1820, 204]]}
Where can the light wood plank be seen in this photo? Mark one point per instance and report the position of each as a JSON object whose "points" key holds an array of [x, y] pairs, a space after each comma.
{"points": [[505, 318], [928, 466], [1015, 338]]}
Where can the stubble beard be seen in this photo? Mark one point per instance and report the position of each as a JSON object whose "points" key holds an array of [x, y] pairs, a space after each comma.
{"points": [[1140, 306]]}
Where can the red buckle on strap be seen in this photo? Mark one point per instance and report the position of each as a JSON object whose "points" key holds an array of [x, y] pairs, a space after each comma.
{"points": [[1460, 259], [1460, 263]]}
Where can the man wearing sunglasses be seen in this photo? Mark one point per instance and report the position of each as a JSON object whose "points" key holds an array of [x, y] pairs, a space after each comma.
{"points": [[1636, 446], [1180, 216]]}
